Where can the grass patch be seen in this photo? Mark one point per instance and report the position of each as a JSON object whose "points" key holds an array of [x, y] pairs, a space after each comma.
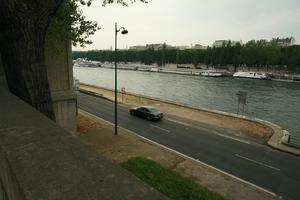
{"points": [[168, 182]]}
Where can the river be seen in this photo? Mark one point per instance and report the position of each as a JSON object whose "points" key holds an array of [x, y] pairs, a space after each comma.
{"points": [[277, 102]]}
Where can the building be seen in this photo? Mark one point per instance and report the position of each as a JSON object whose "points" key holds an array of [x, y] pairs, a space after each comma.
{"points": [[196, 46], [284, 42], [138, 48], [182, 47], [220, 43], [199, 46], [155, 46], [159, 46]]}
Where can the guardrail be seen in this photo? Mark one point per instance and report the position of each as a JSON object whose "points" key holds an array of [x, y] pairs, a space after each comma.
{"points": [[294, 140]]}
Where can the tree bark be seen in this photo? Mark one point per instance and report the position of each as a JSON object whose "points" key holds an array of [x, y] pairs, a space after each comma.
{"points": [[22, 38]]}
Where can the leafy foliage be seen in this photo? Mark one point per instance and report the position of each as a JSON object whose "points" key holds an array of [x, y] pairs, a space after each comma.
{"points": [[70, 23]]}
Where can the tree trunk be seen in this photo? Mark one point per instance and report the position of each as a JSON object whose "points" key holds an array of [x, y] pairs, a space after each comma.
{"points": [[22, 37]]}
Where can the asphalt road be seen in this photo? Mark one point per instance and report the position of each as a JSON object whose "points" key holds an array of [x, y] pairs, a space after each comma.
{"points": [[275, 171]]}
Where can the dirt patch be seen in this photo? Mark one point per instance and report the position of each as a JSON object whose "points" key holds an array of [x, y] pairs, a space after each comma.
{"points": [[85, 124]]}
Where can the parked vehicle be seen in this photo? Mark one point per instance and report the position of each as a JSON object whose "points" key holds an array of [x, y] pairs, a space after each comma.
{"points": [[147, 112]]}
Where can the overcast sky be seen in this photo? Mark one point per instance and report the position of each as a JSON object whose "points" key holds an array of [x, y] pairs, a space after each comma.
{"points": [[186, 22]]}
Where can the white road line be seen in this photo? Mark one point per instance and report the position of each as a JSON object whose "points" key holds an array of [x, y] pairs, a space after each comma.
{"points": [[215, 132], [257, 162], [178, 122], [192, 126], [160, 128], [185, 156], [233, 138]]}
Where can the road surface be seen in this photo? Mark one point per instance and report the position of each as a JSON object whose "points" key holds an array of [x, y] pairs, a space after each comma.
{"points": [[275, 171]]}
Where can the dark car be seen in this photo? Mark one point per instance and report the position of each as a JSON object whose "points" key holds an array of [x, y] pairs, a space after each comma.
{"points": [[147, 112]]}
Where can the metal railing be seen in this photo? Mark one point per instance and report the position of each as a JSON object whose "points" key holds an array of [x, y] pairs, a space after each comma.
{"points": [[294, 139]]}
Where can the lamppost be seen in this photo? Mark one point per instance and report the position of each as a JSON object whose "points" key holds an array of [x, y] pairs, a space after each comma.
{"points": [[124, 31]]}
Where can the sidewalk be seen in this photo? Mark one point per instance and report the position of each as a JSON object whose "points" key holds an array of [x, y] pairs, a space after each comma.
{"points": [[99, 135], [251, 129]]}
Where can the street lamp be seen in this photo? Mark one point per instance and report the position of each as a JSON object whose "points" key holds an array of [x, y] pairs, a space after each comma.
{"points": [[123, 31]]}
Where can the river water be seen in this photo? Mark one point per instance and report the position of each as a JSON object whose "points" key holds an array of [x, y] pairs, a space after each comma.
{"points": [[277, 102]]}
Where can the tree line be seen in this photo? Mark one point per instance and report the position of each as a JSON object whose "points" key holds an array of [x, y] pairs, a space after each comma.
{"points": [[253, 53]]}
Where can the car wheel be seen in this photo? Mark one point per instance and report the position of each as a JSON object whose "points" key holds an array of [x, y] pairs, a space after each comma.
{"points": [[149, 118]]}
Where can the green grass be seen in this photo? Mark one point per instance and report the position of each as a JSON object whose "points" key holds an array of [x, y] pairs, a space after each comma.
{"points": [[168, 182]]}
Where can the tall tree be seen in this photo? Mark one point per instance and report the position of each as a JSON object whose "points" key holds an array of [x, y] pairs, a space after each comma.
{"points": [[24, 24], [23, 29]]}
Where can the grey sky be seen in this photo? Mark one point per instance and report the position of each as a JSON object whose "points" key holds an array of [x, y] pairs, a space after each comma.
{"points": [[185, 22]]}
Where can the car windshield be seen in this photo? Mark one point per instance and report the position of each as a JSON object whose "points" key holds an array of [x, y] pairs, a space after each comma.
{"points": [[152, 110]]}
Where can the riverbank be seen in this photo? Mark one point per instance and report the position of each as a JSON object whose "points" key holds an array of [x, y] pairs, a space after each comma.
{"points": [[238, 126], [188, 70]]}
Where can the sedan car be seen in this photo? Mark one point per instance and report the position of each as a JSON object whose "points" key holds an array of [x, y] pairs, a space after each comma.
{"points": [[147, 112]]}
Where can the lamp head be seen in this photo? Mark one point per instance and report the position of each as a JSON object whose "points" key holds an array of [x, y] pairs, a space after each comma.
{"points": [[124, 31]]}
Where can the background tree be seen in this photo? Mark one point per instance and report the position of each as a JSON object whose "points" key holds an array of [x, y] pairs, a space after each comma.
{"points": [[253, 54]]}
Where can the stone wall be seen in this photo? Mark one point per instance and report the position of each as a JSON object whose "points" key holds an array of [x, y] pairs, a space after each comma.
{"points": [[40, 160], [60, 75]]}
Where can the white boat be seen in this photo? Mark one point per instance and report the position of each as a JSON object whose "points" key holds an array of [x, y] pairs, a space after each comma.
{"points": [[211, 74], [143, 69], [253, 75], [196, 73], [176, 71], [154, 69], [85, 63]]}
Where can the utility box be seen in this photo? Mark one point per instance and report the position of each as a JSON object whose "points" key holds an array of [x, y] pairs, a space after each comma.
{"points": [[286, 136]]}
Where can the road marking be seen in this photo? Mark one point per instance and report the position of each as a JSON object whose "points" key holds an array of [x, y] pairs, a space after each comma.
{"points": [[213, 131], [233, 138], [192, 126], [160, 128], [257, 162], [178, 122], [183, 155]]}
